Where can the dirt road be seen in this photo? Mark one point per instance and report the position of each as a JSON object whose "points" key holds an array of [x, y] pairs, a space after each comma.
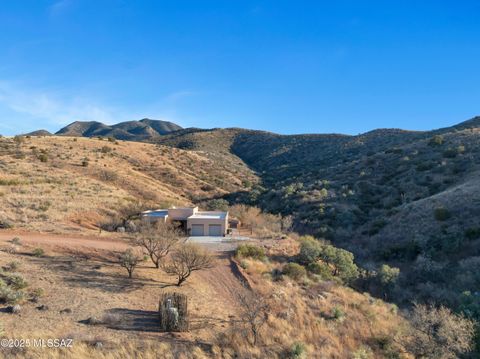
{"points": [[56, 241]]}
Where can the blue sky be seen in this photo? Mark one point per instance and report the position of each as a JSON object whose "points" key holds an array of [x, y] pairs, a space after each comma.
{"points": [[283, 66]]}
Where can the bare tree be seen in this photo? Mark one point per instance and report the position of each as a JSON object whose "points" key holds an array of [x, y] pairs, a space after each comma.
{"points": [[187, 259], [157, 239], [129, 260], [439, 333], [254, 312]]}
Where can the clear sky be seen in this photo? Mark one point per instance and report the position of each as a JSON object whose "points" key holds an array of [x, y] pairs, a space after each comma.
{"points": [[284, 66]]}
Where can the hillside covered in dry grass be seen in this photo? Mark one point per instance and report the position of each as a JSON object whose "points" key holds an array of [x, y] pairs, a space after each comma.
{"points": [[69, 183]]}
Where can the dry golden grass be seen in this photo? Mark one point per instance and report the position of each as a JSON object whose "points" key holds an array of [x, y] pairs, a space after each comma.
{"points": [[63, 195], [87, 282]]}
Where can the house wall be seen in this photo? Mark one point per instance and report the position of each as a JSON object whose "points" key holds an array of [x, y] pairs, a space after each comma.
{"points": [[181, 213], [206, 221]]}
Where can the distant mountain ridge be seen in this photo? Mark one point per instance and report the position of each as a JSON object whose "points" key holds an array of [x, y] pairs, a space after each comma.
{"points": [[143, 130]]}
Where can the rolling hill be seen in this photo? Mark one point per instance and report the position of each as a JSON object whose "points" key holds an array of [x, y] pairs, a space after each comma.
{"points": [[409, 199], [142, 130]]}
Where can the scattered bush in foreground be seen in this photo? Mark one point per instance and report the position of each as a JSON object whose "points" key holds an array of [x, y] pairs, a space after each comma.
{"points": [[250, 251], [12, 266], [129, 260], [10, 296], [297, 351], [15, 281], [36, 294], [38, 252], [16, 241]]}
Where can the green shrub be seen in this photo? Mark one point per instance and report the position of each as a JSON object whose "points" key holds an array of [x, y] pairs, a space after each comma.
{"points": [[38, 252], [106, 149], [320, 269], [442, 214], [15, 281], [297, 351], [250, 251], [10, 296], [36, 294], [437, 140], [294, 271], [338, 313], [310, 250], [12, 266], [43, 157]]}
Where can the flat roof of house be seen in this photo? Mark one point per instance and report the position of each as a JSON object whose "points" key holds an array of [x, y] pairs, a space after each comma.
{"points": [[156, 213], [209, 215]]}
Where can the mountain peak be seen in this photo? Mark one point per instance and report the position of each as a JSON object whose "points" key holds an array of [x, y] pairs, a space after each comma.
{"points": [[143, 130]]}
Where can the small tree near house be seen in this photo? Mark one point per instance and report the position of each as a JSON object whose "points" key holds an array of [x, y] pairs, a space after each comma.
{"points": [[129, 260], [157, 239], [187, 259]]}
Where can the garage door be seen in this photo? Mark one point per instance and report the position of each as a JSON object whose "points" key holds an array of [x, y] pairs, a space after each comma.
{"points": [[214, 230], [197, 230]]}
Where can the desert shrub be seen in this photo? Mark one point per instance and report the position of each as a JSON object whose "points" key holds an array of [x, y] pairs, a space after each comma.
{"points": [[38, 252], [12, 266], [15, 281], [10, 296], [129, 260], [342, 262], [36, 294], [338, 313], [16, 241], [217, 204], [107, 175], [310, 250], [441, 214], [436, 140], [297, 351], [250, 251], [85, 162], [388, 275], [43, 157], [320, 269], [106, 149], [294, 271]]}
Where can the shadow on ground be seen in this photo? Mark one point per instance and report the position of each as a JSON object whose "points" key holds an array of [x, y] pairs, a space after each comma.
{"points": [[133, 320]]}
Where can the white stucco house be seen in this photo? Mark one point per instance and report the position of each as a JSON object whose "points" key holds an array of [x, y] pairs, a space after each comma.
{"points": [[194, 222]]}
